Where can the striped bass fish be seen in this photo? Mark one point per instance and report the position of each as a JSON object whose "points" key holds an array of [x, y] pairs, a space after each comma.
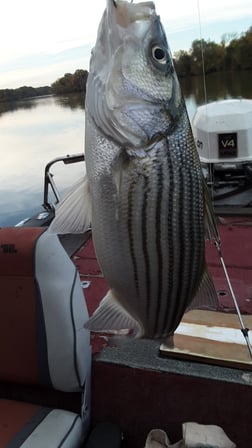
{"points": [[150, 205]]}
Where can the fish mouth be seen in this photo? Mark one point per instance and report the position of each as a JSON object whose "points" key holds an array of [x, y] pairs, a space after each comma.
{"points": [[121, 16], [116, 94], [124, 13]]}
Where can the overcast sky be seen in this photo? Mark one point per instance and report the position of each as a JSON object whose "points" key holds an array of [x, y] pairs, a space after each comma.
{"points": [[40, 41]]}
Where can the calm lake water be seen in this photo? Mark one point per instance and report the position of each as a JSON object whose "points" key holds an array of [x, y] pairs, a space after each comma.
{"points": [[33, 132]]}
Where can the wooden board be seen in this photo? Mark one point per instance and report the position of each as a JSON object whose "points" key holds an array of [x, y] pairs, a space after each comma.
{"points": [[213, 338]]}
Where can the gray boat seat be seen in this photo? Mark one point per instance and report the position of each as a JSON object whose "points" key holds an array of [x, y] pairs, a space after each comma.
{"points": [[43, 343]]}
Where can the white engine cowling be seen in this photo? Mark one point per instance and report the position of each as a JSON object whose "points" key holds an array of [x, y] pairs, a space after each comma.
{"points": [[223, 131]]}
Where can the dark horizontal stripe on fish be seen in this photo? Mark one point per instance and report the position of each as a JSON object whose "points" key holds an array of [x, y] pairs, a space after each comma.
{"points": [[191, 243], [159, 199], [187, 242], [145, 244], [175, 237], [162, 309], [131, 234]]}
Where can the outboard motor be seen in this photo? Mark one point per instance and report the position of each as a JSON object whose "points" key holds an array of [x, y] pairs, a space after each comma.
{"points": [[223, 135]]}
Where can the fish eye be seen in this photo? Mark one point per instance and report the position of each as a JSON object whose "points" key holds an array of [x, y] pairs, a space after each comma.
{"points": [[159, 54]]}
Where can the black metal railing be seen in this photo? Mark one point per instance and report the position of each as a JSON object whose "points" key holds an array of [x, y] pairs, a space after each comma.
{"points": [[49, 183]]}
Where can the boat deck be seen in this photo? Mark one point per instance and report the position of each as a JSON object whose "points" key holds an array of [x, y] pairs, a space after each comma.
{"points": [[139, 387]]}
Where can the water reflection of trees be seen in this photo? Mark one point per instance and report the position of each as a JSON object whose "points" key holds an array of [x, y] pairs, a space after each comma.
{"points": [[222, 85], [71, 86], [74, 101], [13, 106]]}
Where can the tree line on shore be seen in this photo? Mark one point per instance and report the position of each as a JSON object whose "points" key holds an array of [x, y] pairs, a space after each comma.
{"points": [[23, 92], [69, 83], [233, 53]]}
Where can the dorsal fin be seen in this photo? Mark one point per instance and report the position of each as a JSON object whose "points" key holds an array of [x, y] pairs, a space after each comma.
{"points": [[73, 213]]}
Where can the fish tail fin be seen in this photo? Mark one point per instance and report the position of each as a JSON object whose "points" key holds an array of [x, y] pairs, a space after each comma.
{"points": [[206, 296], [73, 213]]}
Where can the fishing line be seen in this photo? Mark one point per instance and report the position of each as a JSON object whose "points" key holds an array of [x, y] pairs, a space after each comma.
{"points": [[244, 330], [202, 54], [205, 96]]}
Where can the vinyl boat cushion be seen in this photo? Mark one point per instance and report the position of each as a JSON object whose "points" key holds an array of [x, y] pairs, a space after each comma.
{"points": [[43, 341], [25, 425]]}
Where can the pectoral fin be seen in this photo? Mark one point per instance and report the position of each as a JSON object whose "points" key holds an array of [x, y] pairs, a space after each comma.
{"points": [[111, 317], [206, 296], [73, 212]]}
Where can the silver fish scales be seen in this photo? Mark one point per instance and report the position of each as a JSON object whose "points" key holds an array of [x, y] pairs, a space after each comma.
{"points": [[149, 202]]}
